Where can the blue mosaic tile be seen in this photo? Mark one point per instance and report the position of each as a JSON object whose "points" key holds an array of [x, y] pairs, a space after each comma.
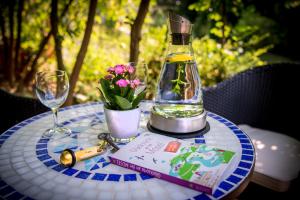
{"points": [[245, 165], [70, 171], [218, 193], [222, 120], [99, 177], [95, 167], [15, 128], [113, 177], [105, 164], [244, 141], [43, 141], [238, 131], [233, 179], [246, 146], [242, 136], [59, 168], [8, 132], [248, 158], [15, 196], [225, 186], [2, 183], [83, 175], [23, 123], [202, 197], [145, 176], [6, 190], [101, 160], [233, 127], [229, 124], [4, 137], [50, 163], [199, 141], [41, 146], [240, 172], [44, 157], [129, 177], [66, 123], [29, 120], [28, 198], [249, 152], [40, 152]]}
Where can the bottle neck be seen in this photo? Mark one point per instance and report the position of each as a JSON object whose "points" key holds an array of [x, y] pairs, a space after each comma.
{"points": [[180, 49], [180, 44]]}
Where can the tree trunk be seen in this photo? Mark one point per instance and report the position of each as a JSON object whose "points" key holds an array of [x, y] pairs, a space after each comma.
{"points": [[4, 41], [136, 30], [57, 38], [11, 66], [82, 50], [19, 30], [33, 67]]}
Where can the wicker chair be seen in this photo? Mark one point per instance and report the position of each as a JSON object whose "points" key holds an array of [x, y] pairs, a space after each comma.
{"points": [[265, 98], [15, 109]]}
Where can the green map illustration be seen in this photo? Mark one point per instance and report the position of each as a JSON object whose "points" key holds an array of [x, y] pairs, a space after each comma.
{"points": [[190, 160]]}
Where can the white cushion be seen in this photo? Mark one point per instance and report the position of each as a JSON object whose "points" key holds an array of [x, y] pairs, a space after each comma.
{"points": [[277, 155]]}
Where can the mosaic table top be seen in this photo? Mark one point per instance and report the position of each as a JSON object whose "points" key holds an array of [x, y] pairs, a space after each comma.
{"points": [[30, 169]]}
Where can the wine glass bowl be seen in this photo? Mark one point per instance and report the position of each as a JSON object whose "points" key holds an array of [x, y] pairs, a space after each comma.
{"points": [[52, 90], [140, 73]]}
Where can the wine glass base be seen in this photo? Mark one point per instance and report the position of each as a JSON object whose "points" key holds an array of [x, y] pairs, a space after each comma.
{"points": [[57, 133]]}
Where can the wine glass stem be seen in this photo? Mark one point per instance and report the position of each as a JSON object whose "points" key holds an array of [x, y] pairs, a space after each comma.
{"points": [[54, 111]]}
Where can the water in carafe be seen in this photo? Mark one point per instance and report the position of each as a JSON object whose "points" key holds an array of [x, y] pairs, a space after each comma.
{"points": [[179, 89]]}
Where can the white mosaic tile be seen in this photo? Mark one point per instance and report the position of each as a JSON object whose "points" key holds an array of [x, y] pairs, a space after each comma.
{"points": [[140, 194], [21, 185], [45, 195], [32, 190], [29, 175], [39, 180], [40, 170], [12, 179], [73, 192], [122, 195], [106, 195], [23, 170], [48, 185], [89, 194], [89, 185], [58, 197]]}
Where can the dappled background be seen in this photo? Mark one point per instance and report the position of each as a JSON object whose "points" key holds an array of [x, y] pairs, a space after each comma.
{"points": [[86, 37]]}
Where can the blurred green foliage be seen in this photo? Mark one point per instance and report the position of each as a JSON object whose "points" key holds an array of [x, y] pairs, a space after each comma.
{"points": [[229, 37]]}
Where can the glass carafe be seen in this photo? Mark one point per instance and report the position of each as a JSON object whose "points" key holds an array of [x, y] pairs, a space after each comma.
{"points": [[178, 92]]}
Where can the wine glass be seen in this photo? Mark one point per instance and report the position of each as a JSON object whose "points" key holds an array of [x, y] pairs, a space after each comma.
{"points": [[52, 90], [141, 73]]}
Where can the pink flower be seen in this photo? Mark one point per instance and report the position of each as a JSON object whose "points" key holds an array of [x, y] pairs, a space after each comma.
{"points": [[111, 70], [122, 83], [130, 69], [119, 69], [135, 83], [109, 77]]}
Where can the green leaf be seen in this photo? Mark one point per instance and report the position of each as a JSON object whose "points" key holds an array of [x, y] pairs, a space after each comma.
{"points": [[130, 95], [123, 103], [138, 98], [105, 90]]}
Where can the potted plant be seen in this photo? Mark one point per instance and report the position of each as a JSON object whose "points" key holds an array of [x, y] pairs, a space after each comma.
{"points": [[121, 94]]}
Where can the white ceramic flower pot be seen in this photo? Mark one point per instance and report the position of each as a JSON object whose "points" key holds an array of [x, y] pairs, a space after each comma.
{"points": [[123, 124]]}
